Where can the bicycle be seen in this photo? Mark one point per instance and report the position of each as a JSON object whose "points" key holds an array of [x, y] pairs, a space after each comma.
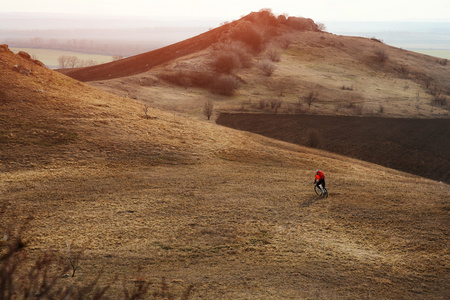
{"points": [[321, 191]]}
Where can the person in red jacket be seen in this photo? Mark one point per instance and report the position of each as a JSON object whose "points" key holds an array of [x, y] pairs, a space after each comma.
{"points": [[319, 179]]}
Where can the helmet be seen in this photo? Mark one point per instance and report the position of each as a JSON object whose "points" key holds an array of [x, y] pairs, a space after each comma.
{"points": [[317, 171]]}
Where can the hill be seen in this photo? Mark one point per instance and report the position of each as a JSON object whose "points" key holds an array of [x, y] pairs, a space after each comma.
{"points": [[231, 214], [268, 66], [348, 75]]}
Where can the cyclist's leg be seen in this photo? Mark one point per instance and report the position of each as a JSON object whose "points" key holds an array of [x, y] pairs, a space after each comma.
{"points": [[321, 184]]}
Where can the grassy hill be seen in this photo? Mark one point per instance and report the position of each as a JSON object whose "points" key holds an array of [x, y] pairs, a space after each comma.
{"points": [[349, 75], [218, 213]]}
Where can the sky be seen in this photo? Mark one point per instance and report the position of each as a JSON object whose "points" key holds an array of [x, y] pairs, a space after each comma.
{"points": [[229, 10]]}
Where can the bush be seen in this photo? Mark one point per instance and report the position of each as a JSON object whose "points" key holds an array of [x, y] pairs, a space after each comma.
{"points": [[208, 109], [275, 104], [381, 55], [242, 51], [187, 78], [226, 84], [439, 100], [274, 54], [302, 24], [42, 278], [225, 62], [249, 35], [267, 67]]}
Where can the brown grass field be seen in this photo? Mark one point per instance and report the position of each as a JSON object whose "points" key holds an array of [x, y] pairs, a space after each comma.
{"points": [[204, 209]]}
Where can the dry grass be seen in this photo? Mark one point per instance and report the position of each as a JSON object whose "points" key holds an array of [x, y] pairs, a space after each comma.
{"points": [[314, 61], [231, 213]]}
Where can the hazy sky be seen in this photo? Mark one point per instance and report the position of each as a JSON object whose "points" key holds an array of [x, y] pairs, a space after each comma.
{"points": [[225, 10]]}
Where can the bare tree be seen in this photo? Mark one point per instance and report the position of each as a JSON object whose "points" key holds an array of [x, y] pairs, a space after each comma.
{"points": [[73, 258], [62, 61], [321, 27], [312, 96], [208, 109], [72, 61]]}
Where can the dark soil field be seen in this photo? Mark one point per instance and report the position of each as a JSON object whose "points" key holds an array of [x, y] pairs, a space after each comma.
{"points": [[417, 146]]}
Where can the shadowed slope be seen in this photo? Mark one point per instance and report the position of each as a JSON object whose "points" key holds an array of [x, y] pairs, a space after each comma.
{"points": [[143, 62], [231, 213]]}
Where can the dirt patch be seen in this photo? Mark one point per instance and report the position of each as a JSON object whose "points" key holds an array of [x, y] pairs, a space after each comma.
{"points": [[417, 146]]}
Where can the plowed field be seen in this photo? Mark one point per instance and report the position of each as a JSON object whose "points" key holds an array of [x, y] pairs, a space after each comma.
{"points": [[417, 146]]}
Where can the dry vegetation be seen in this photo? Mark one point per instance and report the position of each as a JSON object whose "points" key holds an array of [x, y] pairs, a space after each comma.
{"points": [[353, 76], [217, 213]]}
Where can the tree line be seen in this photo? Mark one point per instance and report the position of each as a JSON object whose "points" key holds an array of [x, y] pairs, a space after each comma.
{"points": [[77, 45], [68, 61]]}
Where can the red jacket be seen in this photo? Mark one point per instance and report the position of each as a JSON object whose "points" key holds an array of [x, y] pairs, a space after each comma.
{"points": [[319, 175]]}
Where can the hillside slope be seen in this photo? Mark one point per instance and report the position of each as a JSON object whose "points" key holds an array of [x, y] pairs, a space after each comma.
{"points": [[143, 62], [348, 75], [232, 214]]}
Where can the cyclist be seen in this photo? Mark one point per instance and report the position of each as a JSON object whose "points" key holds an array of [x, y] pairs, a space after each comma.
{"points": [[319, 179]]}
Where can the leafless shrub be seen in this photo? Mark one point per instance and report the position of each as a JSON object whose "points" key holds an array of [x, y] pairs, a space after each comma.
{"points": [[302, 24], [145, 109], [443, 62], [311, 97], [274, 54], [250, 35], [226, 84], [376, 40], [225, 62], [381, 55], [208, 108], [117, 57], [427, 82], [275, 104], [187, 78], [285, 42], [22, 278], [403, 70], [356, 107], [347, 88], [73, 258], [241, 50], [439, 100], [381, 109], [321, 27], [267, 67]]}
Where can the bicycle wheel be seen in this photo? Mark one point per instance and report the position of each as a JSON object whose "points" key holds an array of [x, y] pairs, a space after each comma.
{"points": [[317, 190], [325, 193]]}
